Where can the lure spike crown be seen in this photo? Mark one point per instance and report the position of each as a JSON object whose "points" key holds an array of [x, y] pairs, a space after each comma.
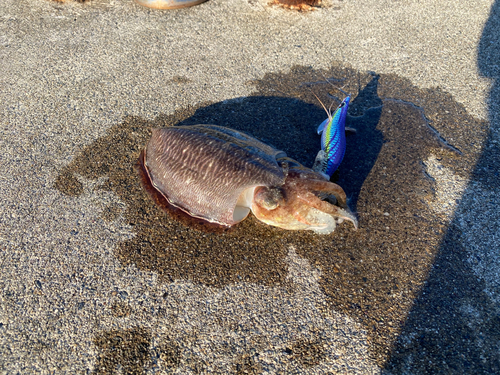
{"points": [[333, 142]]}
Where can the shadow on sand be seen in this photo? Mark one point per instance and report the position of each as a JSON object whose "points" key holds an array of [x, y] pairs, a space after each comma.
{"points": [[454, 326]]}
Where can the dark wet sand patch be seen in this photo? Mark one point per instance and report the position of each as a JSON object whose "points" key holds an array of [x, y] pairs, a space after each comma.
{"points": [[373, 274], [124, 349]]}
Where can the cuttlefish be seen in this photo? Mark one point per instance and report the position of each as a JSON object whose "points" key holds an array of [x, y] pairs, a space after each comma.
{"points": [[218, 175]]}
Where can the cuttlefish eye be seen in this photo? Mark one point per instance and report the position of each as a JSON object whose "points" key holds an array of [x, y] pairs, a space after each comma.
{"points": [[268, 197]]}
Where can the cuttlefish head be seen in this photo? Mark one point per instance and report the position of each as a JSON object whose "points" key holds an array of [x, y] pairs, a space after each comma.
{"points": [[305, 201]]}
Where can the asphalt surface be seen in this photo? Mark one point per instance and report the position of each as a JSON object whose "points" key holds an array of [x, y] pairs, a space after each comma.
{"points": [[95, 278]]}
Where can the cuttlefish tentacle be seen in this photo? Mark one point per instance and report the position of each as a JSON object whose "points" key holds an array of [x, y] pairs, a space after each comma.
{"points": [[311, 191], [302, 214], [313, 201], [325, 187]]}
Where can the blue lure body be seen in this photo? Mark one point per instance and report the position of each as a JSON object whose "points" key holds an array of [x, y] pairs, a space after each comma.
{"points": [[333, 141]]}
